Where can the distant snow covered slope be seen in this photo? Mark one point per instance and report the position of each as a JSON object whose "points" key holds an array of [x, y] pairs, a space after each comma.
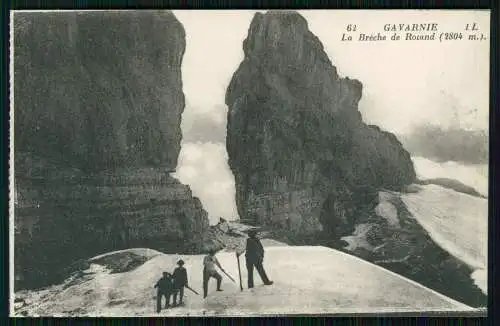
{"points": [[455, 221], [308, 280], [475, 176]]}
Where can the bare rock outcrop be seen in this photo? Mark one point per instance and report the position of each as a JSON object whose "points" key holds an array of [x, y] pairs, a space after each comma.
{"points": [[302, 157], [98, 105], [390, 236]]}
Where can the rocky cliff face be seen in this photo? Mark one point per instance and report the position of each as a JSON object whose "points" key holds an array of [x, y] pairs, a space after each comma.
{"points": [[302, 157], [99, 90], [390, 236], [98, 104]]}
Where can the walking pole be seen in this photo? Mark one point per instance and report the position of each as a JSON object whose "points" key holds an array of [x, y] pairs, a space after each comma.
{"points": [[188, 287], [239, 270], [232, 279]]}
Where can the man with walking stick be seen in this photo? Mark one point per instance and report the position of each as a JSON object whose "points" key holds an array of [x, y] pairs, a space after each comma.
{"points": [[209, 270], [180, 280], [254, 258]]}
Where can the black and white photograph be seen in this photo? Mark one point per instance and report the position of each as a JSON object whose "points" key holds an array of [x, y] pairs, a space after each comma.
{"points": [[248, 162]]}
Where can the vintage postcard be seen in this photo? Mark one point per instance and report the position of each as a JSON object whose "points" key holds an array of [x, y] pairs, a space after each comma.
{"points": [[249, 163]]}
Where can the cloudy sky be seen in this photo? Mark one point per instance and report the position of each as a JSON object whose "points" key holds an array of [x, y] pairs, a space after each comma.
{"points": [[405, 83]]}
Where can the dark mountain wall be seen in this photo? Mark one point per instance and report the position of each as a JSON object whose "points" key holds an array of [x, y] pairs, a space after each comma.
{"points": [[99, 90], [98, 104]]}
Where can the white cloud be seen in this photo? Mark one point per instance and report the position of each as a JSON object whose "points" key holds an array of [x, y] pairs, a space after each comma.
{"points": [[191, 153], [203, 166], [199, 124], [187, 172]]}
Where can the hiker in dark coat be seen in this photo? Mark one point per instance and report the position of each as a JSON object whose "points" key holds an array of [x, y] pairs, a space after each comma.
{"points": [[165, 288], [254, 258], [180, 280]]}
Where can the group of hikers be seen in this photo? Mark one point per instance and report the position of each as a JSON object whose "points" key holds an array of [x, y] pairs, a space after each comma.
{"points": [[171, 285]]}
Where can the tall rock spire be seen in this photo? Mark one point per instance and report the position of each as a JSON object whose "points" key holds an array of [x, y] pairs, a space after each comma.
{"points": [[297, 145]]}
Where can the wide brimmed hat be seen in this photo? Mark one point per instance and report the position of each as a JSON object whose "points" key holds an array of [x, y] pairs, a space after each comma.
{"points": [[253, 231]]}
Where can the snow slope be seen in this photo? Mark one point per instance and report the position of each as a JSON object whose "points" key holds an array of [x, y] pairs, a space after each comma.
{"points": [[475, 176], [455, 221], [308, 280]]}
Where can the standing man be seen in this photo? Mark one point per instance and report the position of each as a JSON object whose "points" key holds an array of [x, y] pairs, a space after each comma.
{"points": [[255, 257], [209, 270], [180, 280]]}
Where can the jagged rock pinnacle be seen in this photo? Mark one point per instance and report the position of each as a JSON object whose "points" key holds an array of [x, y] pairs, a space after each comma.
{"points": [[297, 144]]}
